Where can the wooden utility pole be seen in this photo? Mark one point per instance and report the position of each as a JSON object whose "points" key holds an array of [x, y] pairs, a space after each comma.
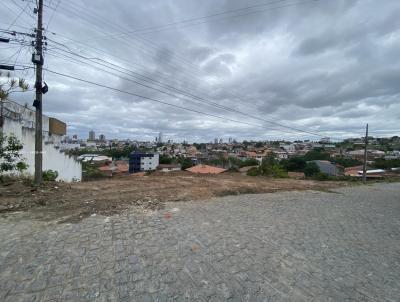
{"points": [[37, 58], [365, 156]]}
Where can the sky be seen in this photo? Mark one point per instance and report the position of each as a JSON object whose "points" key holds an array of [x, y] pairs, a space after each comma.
{"points": [[243, 68]]}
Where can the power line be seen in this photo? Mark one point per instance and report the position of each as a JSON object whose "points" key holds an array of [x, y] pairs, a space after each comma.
{"points": [[152, 99], [53, 13], [18, 16], [169, 25], [99, 51], [183, 92], [124, 78], [199, 98], [23, 10], [144, 46]]}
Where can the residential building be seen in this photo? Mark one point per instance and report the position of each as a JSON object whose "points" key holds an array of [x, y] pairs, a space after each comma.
{"points": [[143, 162], [20, 120]]}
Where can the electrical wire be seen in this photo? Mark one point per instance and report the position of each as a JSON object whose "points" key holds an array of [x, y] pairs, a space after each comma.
{"points": [[153, 99], [18, 16], [53, 13], [185, 93], [172, 25]]}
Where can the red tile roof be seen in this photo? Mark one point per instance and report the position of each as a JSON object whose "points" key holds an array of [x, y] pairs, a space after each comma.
{"points": [[205, 169]]}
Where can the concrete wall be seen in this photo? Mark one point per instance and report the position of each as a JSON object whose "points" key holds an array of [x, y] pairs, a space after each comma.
{"points": [[149, 163], [22, 126]]}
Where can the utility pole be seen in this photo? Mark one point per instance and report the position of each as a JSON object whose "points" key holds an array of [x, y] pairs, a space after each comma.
{"points": [[37, 58], [365, 156]]}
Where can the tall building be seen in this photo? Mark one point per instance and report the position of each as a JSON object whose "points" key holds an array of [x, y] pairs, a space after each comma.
{"points": [[75, 136], [102, 137], [160, 137], [92, 135]]}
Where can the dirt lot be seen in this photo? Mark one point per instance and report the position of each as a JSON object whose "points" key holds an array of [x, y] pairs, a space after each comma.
{"points": [[72, 202]]}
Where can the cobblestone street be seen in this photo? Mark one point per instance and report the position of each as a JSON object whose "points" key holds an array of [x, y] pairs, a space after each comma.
{"points": [[288, 246]]}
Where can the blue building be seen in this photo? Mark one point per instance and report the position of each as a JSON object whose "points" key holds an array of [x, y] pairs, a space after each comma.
{"points": [[139, 162]]}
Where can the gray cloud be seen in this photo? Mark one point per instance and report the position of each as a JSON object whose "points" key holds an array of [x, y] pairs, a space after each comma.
{"points": [[328, 66]]}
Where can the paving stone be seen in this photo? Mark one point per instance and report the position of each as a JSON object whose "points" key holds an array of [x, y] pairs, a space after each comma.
{"points": [[287, 246]]}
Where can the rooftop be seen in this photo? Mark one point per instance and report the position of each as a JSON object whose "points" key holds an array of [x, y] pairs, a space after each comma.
{"points": [[205, 169]]}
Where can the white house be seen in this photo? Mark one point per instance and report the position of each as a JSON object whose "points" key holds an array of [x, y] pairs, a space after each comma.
{"points": [[19, 120]]}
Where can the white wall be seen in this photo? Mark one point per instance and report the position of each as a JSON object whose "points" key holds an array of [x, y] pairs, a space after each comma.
{"points": [[68, 168], [149, 163]]}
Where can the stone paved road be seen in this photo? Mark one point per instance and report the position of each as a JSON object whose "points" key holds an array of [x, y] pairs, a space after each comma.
{"points": [[293, 246]]}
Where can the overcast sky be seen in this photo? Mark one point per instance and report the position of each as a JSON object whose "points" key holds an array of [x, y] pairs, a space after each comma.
{"points": [[327, 66]]}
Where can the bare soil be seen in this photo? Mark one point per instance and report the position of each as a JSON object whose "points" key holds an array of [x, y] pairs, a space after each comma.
{"points": [[72, 202]]}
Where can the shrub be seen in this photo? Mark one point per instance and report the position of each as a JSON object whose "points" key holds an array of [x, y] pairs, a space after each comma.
{"points": [[254, 172], [233, 169], [295, 164], [50, 175], [10, 157], [311, 169], [321, 176], [90, 171], [186, 163]]}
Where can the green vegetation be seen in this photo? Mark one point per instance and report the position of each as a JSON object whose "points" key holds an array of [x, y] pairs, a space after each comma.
{"points": [[90, 171], [346, 162], [294, 164], [11, 85], [165, 160], [270, 166], [238, 163], [254, 172], [387, 164], [186, 163], [311, 169], [114, 153], [11, 159], [316, 154], [50, 175]]}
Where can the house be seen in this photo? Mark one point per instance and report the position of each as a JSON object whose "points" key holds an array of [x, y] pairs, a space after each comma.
{"points": [[205, 169], [329, 168], [95, 158], [112, 168], [143, 162], [281, 155], [20, 121], [353, 171], [169, 167]]}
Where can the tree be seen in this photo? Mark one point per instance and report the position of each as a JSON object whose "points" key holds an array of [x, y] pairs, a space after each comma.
{"points": [[311, 169], [186, 163], [10, 157], [294, 164], [270, 166], [11, 85], [165, 159], [347, 162], [316, 155]]}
